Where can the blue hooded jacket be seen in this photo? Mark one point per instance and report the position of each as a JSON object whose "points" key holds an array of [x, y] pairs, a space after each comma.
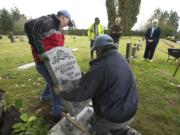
{"points": [[111, 86]]}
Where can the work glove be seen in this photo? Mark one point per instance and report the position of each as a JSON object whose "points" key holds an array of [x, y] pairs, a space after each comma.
{"points": [[43, 57], [58, 89]]}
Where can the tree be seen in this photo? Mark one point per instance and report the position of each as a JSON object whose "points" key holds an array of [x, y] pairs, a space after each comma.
{"points": [[18, 20], [111, 11], [126, 9], [173, 20], [18, 25], [15, 14], [5, 21], [168, 21], [12, 21], [157, 14]]}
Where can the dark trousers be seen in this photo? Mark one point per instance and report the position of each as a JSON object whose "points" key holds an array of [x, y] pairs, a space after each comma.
{"points": [[116, 42], [91, 45], [149, 50], [103, 126]]}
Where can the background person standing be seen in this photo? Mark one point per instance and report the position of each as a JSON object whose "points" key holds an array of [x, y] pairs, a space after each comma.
{"points": [[152, 36], [116, 31], [94, 30]]}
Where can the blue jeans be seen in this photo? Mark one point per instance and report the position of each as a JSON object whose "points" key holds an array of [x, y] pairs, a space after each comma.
{"points": [[48, 92]]}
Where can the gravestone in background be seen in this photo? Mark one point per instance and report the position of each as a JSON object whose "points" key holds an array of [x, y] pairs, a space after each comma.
{"points": [[139, 45], [11, 37], [129, 52], [21, 38], [134, 51]]}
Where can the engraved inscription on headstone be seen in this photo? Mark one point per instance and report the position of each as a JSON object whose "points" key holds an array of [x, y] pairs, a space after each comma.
{"points": [[64, 72]]}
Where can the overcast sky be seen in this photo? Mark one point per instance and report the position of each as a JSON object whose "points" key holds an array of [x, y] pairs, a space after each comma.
{"points": [[84, 11]]}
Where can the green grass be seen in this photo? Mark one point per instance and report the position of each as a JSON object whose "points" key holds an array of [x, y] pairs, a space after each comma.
{"points": [[159, 100]]}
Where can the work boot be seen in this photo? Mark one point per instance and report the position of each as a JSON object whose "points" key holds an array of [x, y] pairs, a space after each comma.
{"points": [[43, 109], [52, 120], [56, 118]]}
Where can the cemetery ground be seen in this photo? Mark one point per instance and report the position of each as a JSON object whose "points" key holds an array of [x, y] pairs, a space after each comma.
{"points": [[159, 92]]}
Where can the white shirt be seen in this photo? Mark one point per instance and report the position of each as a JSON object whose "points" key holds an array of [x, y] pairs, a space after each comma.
{"points": [[152, 31]]}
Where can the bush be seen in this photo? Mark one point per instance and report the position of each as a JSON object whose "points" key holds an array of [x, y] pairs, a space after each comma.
{"points": [[30, 125]]}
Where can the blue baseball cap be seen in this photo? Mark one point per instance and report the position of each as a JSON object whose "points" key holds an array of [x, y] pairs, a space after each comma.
{"points": [[67, 14], [103, 40]]}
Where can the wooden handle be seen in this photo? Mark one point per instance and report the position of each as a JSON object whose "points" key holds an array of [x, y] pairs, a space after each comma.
{"points": [[74, 123]]}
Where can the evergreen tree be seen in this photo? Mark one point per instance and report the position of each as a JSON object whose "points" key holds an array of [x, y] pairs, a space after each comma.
{"points": [[111, 11], [18, 20], [15, 14], [173, 20], [126, 9], [11, 21], [168, 21], [18, 25], [5, 21]]}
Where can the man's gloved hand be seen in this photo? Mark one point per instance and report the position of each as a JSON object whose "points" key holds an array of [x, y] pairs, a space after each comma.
{"points": [[150, 40], [43, 57], [58, 89]]}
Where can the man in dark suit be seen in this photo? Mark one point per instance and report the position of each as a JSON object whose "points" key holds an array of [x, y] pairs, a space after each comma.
{"points": [[152, 36]]}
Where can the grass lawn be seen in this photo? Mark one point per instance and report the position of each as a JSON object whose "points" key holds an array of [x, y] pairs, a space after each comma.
{"points": [[159, 96]]}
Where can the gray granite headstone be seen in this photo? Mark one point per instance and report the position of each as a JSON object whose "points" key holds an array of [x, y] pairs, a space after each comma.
{"points": [[21, 38], [65, 71]]}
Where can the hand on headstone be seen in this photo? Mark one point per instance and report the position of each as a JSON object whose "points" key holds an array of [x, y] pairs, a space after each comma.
{"points": [[58, 89], [150, 40]]}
